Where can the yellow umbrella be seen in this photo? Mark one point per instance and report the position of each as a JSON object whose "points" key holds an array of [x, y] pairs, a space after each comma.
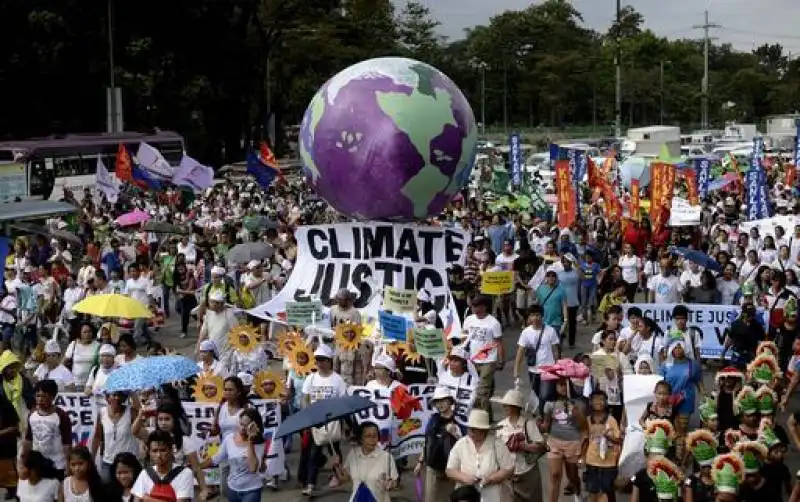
{"points": [[113, 305]]}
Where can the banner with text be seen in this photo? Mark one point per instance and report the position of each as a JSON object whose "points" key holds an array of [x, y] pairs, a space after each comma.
{"points": [[407, 437], [709, 322], [366, 257]]}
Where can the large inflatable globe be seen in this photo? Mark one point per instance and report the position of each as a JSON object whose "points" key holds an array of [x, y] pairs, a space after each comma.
{"points": [[388, 139]]}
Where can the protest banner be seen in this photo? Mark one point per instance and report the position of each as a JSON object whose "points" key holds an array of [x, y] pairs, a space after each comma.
{"points": [[303, 313], [497, 283], [406, 437], [83, 416], [430, 343], [637, 391], [399, 300], [366, 257], [393, 326], [707, 322]]}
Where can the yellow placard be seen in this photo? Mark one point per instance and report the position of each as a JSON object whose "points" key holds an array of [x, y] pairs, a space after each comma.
{"points": [[399, 300], [497, 283]]}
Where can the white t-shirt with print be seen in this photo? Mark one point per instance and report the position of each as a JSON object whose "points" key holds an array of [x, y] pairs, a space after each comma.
{"points": [[481, 333], [46, 490], [666, 289], [630, 266], [318, 387], [531, 336]]}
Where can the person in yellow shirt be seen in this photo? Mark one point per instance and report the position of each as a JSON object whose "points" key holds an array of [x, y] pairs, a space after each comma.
{"points": [[615, 297], [602, 449]]}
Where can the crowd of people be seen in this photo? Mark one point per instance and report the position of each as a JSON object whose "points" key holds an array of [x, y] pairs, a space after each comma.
{"points": [[562, 415]]}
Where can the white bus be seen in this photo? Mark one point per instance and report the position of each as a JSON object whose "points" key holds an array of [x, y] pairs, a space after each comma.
{"points": [[41, 168]]}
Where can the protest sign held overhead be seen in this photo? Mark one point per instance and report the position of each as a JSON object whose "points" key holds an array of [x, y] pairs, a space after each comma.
{"points": [[399, 300], [365, 258]]}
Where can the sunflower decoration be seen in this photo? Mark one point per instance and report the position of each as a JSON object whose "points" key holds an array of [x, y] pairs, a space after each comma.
{"points": [[411, 356], [349, 336], [301, 359], [396, 349], [287, 341], [208, 388], [243, 338], [368, 329], [268, 385]]}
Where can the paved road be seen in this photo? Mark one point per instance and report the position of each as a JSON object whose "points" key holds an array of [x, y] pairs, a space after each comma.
{"points": [[290, 492]]}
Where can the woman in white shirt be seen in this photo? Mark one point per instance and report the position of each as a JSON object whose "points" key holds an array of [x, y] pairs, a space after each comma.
{"points": [[611, 383], [96, 383], [113, 432], [37, 479], [217, 322], [482, 460], [52, 369], [368, 465], [207, 359], [243, 451], [82, 355], [631, 266], [72, 295], [458, 372], [522, 436], [384, 368]]}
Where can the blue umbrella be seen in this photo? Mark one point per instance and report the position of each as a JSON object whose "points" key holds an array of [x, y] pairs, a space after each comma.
{"points": [[322, 412], [698, 257], [150, 372]]}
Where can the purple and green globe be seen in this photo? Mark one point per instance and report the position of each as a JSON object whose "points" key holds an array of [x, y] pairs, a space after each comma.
{"points": [[388, 139]]}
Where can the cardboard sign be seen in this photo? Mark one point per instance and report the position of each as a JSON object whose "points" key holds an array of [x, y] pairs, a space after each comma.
{"points": [[303, 313], [430, 343], [399, 300], [497, 283], [393, 326]]}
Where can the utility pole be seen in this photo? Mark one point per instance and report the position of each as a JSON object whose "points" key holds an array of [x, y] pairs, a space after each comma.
{"points": [[704, 85], [618, 68]]}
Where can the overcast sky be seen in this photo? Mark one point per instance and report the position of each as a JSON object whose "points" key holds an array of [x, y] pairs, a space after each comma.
{"points": [[745, 23]]}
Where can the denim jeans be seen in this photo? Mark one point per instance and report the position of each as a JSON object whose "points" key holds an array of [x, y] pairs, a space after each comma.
{"points": [[248, 496], [165, 291]]}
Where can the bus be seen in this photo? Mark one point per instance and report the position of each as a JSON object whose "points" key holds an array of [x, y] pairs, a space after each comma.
{"points": [[41, 168]]}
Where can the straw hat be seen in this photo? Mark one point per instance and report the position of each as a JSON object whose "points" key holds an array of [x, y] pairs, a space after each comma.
{"points": [[479, 419], [511, 398]]}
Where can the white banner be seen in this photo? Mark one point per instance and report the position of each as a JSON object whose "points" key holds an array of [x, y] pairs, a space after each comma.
{"points": [[708, 322], [365, 257], [682, 214], [767, 226], [82, 414], [407, 436], [637, 391]]}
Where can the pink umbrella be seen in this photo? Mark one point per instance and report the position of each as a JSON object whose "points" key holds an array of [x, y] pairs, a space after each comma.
{"points": [[564, 368], [135, 217]]}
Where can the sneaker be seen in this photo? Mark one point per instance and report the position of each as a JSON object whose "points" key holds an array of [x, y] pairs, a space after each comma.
{"points": [[334, 483], [308, 490], [272, 484], [183, 335]]}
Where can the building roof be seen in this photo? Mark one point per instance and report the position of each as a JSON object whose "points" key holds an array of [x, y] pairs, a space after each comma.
{"points": [[34, 209]]}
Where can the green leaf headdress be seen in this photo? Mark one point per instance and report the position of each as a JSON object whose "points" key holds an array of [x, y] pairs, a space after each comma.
{"points": [[753, 454], [666, 477], [727, 471], [703, 446], [658, 436], [708, 409], [746, 401], [767, 399], [764, 369]]}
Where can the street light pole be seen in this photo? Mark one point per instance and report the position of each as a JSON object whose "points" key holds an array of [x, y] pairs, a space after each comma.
{"points": [[618, 86], [505, 96], [483, 97], [661, 81]]}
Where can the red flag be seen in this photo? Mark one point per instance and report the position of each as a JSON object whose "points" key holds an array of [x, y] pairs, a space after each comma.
{"points": [[123, 165], [565, 191], [595, 176], [791, 175], [634, 207], [690, 176], [613, 205], [403, 403], [663, 187], [268, 158]]}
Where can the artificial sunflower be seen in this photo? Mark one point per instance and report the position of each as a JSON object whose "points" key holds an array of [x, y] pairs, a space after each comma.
{"points": [[287, 341], [208, 388], [412, 356], [268, 385], [395, 349], [243, 338], [301, 359], [349, 336]]}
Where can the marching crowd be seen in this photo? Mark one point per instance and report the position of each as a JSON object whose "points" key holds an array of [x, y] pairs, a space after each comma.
{"points": [[186, 261]]}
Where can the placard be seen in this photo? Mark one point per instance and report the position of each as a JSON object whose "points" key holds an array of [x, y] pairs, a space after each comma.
{"points": [[399, 300], [430, 343], [303, 313], [393, 326], [497, 283]]}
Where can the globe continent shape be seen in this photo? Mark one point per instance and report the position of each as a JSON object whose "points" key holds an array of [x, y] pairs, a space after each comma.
{"points": [[388, 139]]}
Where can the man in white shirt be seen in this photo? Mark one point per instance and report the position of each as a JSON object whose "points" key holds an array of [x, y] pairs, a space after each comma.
{"points": [[137, 287], [257, 282], [664, 287], [484, 336], [187, 249], [86, 272], [541, 340], [748, 270]]}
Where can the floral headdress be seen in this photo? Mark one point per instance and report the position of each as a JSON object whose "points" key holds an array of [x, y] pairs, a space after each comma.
{"points": [[287, 340], [703, 446], [208, 388], [767, 436], [746, 401], [763, 369], [753, 454], [268, 385], [727, 471], [767, 347], [240, 331], [666, 477], [345, 342], [767, 398], [729, 372], [658, 436], [311, 362], [708, 410], [732, 438]]}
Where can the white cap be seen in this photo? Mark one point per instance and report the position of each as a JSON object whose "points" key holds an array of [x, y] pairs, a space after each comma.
{"points": [[217, 270], [460, 353], [570, 257], [386, 362], [107, 350], [424, 296], [253, 264], [217, 296], [246, 378], [442, 393], [208, 346], [323, 351], [52, 347]]}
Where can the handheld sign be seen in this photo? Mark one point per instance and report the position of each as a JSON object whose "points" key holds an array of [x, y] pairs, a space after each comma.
{"points": [[393, 326]]}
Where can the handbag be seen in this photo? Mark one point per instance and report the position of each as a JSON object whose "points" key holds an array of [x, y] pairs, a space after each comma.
{"points": [[328, 433], [530, 354]]}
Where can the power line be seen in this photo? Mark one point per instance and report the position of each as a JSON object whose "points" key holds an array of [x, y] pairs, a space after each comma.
{"points": [[757, 34], [705, 27]]}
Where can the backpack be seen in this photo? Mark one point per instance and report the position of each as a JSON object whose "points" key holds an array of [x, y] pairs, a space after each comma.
{"points": [[247, 298], [437, 446], [162, 489], [228, 289]]}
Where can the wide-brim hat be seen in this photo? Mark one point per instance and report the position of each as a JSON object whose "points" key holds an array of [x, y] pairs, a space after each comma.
{"points": [[479, 419], [511, 398], [442, 393]]}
